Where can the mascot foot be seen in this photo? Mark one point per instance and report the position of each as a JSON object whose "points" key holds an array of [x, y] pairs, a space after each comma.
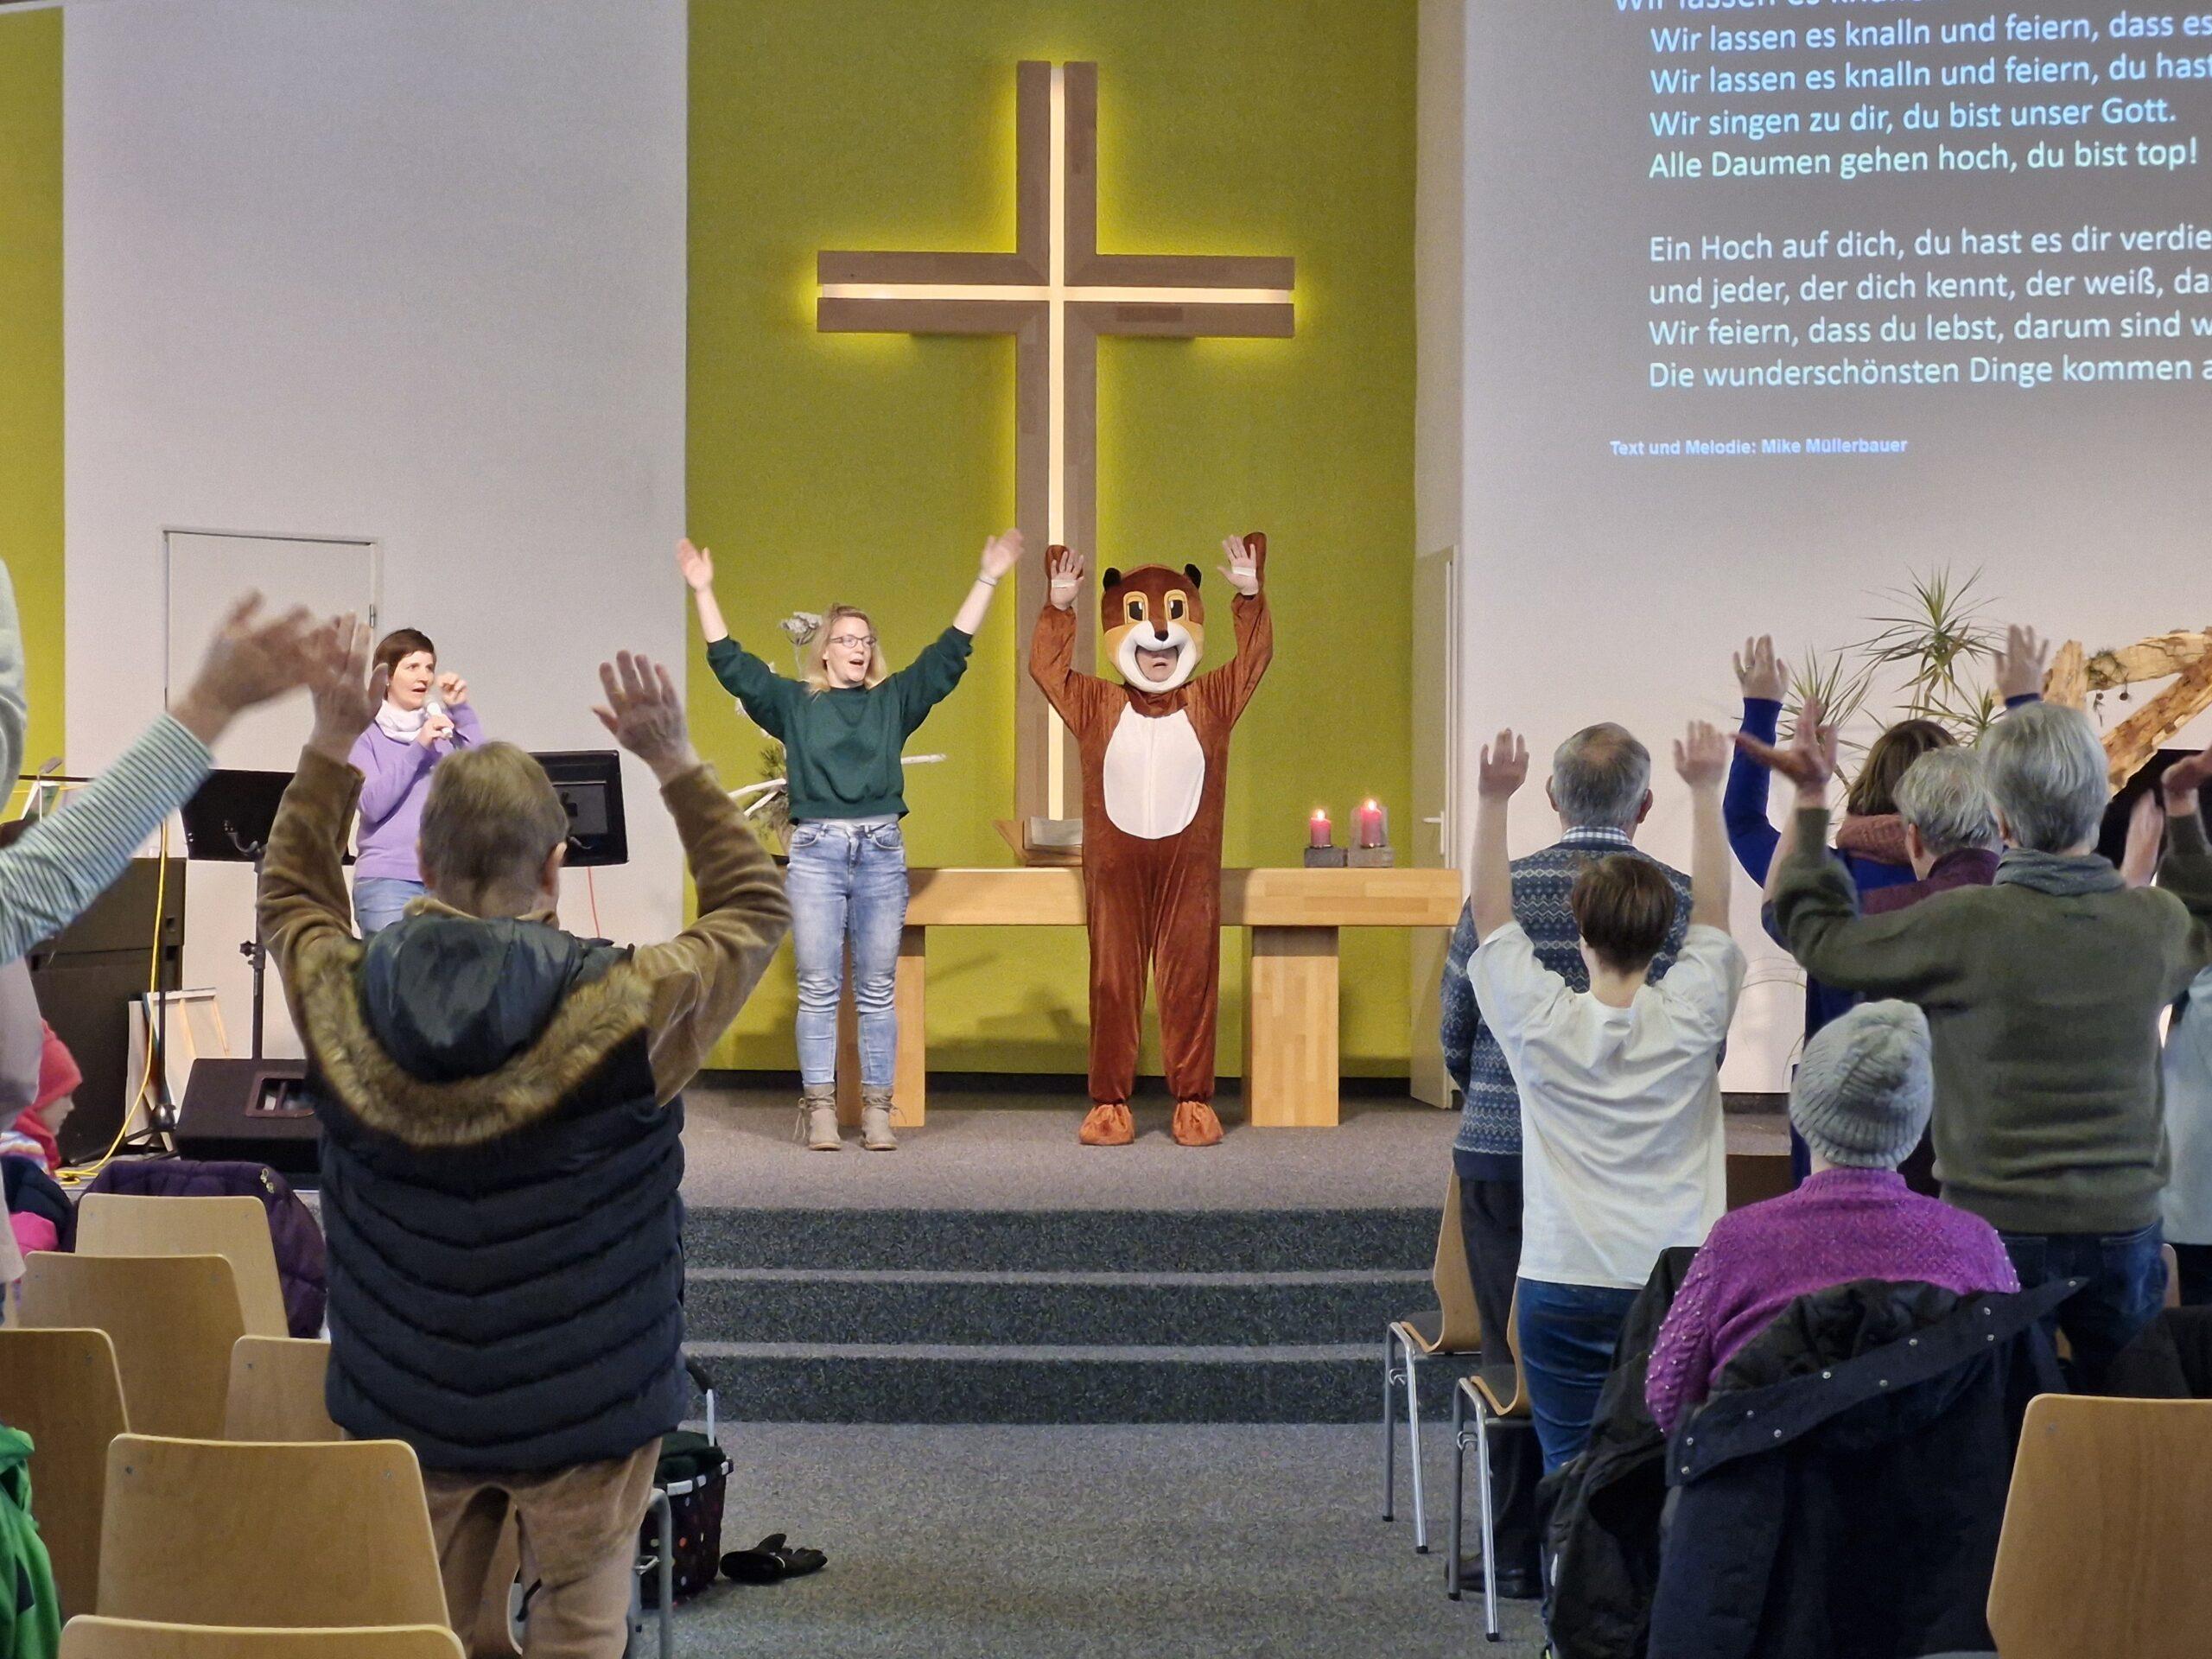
{"points": [[1196, 1124], [1108, 1125]]}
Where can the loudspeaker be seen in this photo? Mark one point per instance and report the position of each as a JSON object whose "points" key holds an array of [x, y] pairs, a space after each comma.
{"points": [[252, 1109]]}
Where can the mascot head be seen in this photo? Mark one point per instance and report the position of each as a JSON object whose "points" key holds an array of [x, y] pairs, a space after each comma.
{"points": [[1155, 624]]}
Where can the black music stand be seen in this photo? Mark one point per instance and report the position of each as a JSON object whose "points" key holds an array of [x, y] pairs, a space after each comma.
{"points": [[589, 783], [228, 822]]}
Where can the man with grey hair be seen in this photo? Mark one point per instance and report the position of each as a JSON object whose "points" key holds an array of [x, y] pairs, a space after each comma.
{"points": [[2043, 993], [1600, 786]]}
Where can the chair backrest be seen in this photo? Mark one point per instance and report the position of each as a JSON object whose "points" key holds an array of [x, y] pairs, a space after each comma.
{"points": [[235, 1228], [2108, 1527], [1487, 1379], [173, 1318], [2171, 1257], [61, 1389], [128, 1638], [276, 1391], [1460, 1328], [203, 1532]]}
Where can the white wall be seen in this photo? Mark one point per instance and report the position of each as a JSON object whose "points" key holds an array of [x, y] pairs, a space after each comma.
{"points": [[412, 271]]}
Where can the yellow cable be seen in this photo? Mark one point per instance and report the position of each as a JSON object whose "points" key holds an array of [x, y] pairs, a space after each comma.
{"points": [[77, 1175]]}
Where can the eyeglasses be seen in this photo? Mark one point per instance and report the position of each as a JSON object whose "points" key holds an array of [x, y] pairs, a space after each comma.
{"points": [[849, 641]]}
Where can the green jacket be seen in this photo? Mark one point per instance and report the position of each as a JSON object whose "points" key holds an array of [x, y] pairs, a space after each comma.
{"points": [[841, 748], [2044, 1015], [30, 1613]]}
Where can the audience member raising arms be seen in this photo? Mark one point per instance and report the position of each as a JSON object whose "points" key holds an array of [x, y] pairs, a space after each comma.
{"points": [[2043, 995], [425, 716], [1622, 1151], [65, 861], [842, 728]]}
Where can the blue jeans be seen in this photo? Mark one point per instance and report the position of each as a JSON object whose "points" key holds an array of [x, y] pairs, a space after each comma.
{"points": [[380, 901], [847, 887], [2125, 1285], [1567, 1336]]}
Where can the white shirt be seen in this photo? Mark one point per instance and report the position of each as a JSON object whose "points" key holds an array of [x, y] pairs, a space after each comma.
{"points": [[2189, 1118], [1622, 1151]]}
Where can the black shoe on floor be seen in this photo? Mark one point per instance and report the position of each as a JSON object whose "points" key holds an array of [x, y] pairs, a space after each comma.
{"points": [[1523, 1583]]}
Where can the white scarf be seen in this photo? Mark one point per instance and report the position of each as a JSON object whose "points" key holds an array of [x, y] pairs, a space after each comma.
{"points": [[400, 725]]}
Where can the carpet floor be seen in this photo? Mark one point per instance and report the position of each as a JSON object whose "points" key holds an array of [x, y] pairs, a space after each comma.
{"points": [[1232, 1541]]}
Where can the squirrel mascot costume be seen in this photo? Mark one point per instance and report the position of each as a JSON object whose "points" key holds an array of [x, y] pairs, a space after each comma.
{"points": [[1155, 773]]}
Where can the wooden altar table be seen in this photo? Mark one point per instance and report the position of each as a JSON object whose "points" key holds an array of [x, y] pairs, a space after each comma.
{"points": [[1295, 917]]}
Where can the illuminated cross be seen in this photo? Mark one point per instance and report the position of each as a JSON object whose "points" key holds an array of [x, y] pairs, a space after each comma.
{"points": [[1056, 294]]}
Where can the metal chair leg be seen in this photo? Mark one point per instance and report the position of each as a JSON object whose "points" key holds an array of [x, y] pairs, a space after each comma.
{"points": [[1390, 1428], [1486, 1522], [1413, 1449], [1453, 1531]]}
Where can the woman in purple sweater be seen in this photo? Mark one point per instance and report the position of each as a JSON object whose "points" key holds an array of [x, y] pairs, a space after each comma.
{"points": [[426, 716], [1860, 1100]]}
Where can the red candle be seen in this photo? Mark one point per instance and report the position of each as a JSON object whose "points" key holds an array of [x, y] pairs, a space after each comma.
{"points": [[1318, 833], [1371, 831]]}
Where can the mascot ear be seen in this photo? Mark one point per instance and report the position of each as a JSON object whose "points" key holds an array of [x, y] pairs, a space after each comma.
{"points": [[1198, 576], [1112, 578]]}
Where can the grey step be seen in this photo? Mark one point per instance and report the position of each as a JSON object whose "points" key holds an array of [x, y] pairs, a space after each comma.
{"points": [[863, 1382], [1129, 1241], [762, 1304]]}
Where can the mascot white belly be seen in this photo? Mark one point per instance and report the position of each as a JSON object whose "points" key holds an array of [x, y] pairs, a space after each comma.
{"points": [[1155, 774]]}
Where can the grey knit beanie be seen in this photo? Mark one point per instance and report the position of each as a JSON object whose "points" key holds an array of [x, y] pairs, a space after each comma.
{"points": [[1864, 1088]]}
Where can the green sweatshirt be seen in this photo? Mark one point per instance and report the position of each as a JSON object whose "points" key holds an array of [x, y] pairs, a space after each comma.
{"points": [[2044, 1015], [841, 748]]}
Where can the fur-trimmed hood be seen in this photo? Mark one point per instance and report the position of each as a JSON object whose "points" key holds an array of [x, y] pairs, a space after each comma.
{"points": [[448, 1030]]}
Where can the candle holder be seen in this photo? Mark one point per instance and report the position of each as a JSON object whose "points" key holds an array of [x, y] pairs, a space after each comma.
{"points": [[1373, 851], [1325, 858], [1371, 858]]}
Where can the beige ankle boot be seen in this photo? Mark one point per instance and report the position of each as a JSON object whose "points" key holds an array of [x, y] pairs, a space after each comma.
{"points": [[817, 1118], [875, 1121]]}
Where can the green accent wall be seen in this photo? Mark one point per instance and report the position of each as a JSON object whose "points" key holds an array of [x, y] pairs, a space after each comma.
{"points": [[868, 469], [30, 354]]}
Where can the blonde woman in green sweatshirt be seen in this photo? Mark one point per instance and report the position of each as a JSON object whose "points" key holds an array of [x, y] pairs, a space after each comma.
{"points": [[842, 727]]}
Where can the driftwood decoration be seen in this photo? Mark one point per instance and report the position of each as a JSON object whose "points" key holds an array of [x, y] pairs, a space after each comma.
{"points": [[2183, 656]]}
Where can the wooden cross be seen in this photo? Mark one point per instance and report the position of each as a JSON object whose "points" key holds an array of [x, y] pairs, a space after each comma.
{"points": [[1056, 294]]}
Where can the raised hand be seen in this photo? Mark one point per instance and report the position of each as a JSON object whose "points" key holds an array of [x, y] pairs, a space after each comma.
{"points": [[1760, 673], [250, 661], [644, 711], [452, 690], [697, 565], [346, 694], [1242, 568], [2184, 782], [1001, 553], [2146, 839], [1808, 759], [1504, 767], [1701, 756], [2026, 661], [1064, 568]]}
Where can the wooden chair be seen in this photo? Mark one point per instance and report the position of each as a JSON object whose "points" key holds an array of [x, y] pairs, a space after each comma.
{"points": [[173, 1318], [61, 1389], [235, 1228], [1452, 1328], [276, 1391], [127, 1639], [206, 1532], [1499, 1395], [2106, 1530]]}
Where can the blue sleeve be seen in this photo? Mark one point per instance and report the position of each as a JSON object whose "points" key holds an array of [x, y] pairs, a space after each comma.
{"points": [[1462, 1019], [1743, 805]]}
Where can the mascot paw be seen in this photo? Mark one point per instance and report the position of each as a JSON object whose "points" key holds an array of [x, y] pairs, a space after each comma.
{"points": [[1108, 1125], [1196, 1124]]}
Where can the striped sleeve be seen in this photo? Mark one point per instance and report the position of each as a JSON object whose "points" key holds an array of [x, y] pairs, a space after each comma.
{"points": [[15, 712], [67, 861]]}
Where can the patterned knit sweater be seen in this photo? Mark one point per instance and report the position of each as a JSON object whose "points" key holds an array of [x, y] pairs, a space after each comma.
{"points": [[1489, 1124], [1842, 1225]]}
